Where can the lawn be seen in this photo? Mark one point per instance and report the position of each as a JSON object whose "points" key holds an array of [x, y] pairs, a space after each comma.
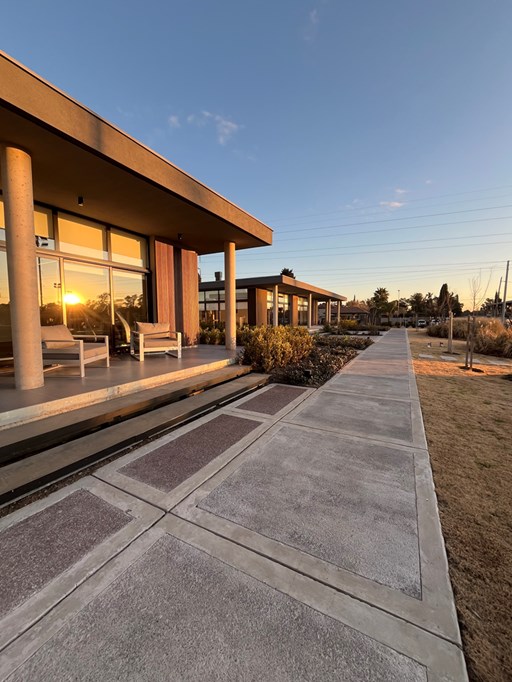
{"points": [[468, 423]]}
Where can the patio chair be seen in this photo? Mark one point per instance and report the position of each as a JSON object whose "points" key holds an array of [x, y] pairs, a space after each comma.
{"points": [[61, 347], [154, 337]]}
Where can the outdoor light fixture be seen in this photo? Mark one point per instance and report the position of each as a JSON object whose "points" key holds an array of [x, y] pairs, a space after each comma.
{"points": [[180, 236], [80, 201]]}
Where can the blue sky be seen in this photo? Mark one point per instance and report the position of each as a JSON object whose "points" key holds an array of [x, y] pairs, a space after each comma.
{"points": [[373, 136]]}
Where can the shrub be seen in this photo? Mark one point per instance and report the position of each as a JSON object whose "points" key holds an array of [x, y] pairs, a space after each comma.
{"points": [[356, 342], [491, 337], [266, 348], [212, 335]]}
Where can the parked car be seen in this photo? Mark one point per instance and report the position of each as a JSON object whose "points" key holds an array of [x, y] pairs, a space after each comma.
{"points": [[422, 323]]}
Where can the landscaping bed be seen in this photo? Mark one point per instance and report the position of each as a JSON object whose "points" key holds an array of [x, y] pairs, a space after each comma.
{"points": [[467, 421], [292, 356]]}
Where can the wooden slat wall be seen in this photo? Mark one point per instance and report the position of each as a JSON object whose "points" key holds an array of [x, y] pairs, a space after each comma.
{"points": [[164, 283], [187, 296]]}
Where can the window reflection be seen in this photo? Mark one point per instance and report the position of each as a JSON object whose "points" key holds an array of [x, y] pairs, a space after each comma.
{"points": [[87, 298], [130, 303], [5, 312], [49, 291]]}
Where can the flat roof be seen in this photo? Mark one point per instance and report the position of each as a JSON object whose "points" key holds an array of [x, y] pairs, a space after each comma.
{"points": [[77, 153], [287, 285]]}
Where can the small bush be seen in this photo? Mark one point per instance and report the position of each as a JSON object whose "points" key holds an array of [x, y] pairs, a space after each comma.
{"points": [[212, 335], [356, 342], [491, 337], [266, 348]]}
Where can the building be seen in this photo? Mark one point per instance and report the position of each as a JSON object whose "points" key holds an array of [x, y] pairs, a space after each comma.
{"points": [[95, 226], [273, 300]]}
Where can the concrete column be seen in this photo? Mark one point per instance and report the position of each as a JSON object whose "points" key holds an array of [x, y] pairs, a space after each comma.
{"points": [[328, 312], [310, 310], [275, 314], [338, 312], [230, 282], [315, 312], [16, 168]]}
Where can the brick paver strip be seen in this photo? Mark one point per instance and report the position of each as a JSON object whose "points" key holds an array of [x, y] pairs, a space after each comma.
{"points": [[180, 614], [169, 465], [273, 400], [41, 547]]}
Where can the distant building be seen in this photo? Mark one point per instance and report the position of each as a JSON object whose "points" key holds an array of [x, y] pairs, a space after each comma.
{"points": [[272, 300]]}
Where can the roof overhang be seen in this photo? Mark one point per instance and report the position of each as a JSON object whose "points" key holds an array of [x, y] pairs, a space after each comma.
{"points": [[287, 285], [124, 183]]}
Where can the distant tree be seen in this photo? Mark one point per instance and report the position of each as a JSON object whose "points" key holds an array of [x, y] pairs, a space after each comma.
{"points": [[443, 301], [379, 305], [455, 305], [417, 303], [288, 272], [430, 302]]}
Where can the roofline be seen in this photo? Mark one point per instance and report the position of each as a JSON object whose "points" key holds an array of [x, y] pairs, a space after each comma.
{"points": [[272, 280]]}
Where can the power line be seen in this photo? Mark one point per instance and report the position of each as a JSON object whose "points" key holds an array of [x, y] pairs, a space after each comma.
{"points": [[397, 229], [336, 249], [439, 196], [392, 220], [365, 253]]}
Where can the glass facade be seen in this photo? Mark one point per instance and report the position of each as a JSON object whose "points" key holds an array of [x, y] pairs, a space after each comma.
{"points": [[212, 307], [302, 308], [88, 297]]}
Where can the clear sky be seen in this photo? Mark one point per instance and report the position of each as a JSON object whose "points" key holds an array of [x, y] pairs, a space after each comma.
{"points": [[373, 136]]}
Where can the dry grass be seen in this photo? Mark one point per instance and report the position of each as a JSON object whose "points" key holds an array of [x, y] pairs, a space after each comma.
{"points": [[467, 419]]}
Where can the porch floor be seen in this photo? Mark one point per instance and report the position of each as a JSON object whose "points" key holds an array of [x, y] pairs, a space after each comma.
{"points": [[64, 390]]}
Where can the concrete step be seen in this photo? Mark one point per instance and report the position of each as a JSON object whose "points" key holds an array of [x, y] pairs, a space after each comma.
{"points": [[33, 437], [30, 473]]}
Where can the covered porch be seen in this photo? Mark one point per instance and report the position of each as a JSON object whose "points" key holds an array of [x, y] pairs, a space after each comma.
{"points": [[64, 391]]}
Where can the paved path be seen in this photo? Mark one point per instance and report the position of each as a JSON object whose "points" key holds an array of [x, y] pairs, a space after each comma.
{"points": [[293, 535]]}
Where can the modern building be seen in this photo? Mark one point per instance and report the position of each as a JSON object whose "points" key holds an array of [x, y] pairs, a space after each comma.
{"points": [[273, 300], [95, 226]]}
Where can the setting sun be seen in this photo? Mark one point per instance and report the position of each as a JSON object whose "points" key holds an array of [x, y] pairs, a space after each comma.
{"points": [[71, 299]]}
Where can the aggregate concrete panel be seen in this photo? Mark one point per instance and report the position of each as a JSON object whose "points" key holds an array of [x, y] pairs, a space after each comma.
{"points": [[435, 611], [170, 464], [182, 603], [274, 400], [51, 546], [42, 546], [346, 501], [395, 421], [166, 470], [178, 613], [382, 387]]}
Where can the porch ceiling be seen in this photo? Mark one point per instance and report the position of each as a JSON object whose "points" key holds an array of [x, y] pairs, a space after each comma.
{"points": [[76, 153]]}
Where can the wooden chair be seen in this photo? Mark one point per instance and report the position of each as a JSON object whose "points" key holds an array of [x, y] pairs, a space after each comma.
{"points": [[61, 347], [154, 337]]}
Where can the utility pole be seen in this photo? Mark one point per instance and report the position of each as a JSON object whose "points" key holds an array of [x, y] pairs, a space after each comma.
{"points": [[504, 307], [497, 300]]}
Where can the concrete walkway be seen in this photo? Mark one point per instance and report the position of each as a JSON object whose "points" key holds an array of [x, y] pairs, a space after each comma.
{"points": [[293, 535]]}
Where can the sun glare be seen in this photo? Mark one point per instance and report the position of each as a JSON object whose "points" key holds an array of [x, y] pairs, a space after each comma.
{"points": [[71, 299]]}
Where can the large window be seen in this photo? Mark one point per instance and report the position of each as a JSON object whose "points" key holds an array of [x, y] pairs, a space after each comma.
{"points": [[212, 307], [82, 237], [87, 298], [43, 226], [5, 310], [130, 302], [302, 309], [128, 249], [49, 290]]}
